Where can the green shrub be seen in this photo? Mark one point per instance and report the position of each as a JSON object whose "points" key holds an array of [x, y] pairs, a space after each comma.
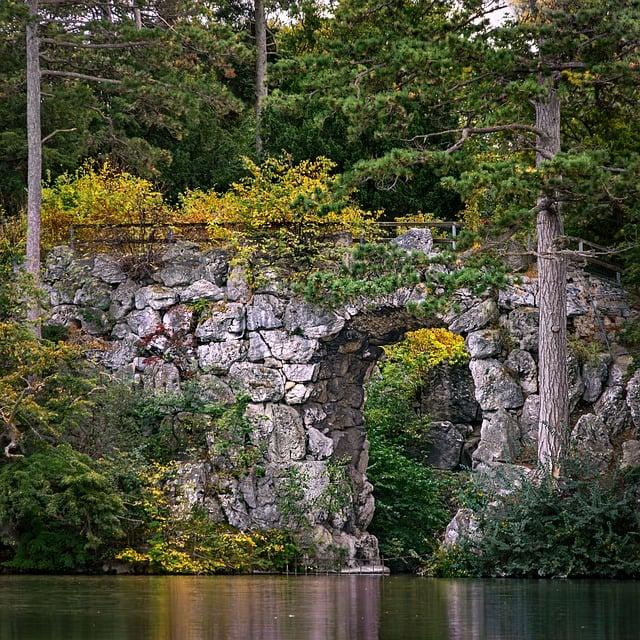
{"points": [[412, 506], [60, 510], [578, 528]]}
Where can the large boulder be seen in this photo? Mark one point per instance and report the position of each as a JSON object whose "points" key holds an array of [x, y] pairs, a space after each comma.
{"points": [[446, 441], [290, 347], [144, 322], [218, 357], [415, 239], [202, 290], [633, 398], [107, 268], [522, 366], [590, 442], [463, 528], [486, 343], [262, 384], [311, 321], [494, 387], [287, 441], [265, 312], [522, 327], [499, 438], [477, 317], [594, 375], [156, 297], [447, 393], [630, 454], [513, 296], [612, 409], [225, 321]]}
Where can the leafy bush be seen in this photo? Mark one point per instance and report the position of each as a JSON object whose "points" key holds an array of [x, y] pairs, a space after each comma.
{"points": [[375, 269], [584, 528], [281, 211], [411, 505], [424, 349], [98, 196], [577, 528], [42, 386], [60, 510], [171, 541]]}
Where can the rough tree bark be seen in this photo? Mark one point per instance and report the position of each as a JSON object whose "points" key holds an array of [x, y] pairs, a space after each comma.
{"points": [[137, 15], [261, 69], [552, 272], [34, 150]]}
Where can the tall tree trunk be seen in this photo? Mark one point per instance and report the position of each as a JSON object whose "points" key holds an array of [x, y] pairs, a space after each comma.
{"points": [[34, 147], [552, 278], [137, 16], [261, 69]]}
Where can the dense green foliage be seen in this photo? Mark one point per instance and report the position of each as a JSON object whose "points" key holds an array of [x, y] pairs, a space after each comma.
{"points": [[382, 91], [412, 500], [583, 526], [88, 460], [389, 109], [60, 510]]}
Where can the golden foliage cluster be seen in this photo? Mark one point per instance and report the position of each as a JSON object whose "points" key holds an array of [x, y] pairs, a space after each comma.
{"points": [[280, 210], [99, 196], [424, 349]]}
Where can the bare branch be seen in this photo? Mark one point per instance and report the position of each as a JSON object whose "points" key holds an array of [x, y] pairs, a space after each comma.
{"points": [[53, 133], [79, 76], [468, 132], [92, 45]]}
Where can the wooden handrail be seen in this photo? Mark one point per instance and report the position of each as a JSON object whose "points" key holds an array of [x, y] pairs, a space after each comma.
{"points": [[452, 225]]}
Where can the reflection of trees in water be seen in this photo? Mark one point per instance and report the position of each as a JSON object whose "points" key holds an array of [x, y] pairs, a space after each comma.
{"points": [[509, 610], [269, 608], [323, 608], [537, 609]]}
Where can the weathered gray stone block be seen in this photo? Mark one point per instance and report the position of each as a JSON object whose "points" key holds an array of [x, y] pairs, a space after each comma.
{"points": [[261, 383], [144, 322], [156, 297], [494, 388], [477, 317], [416, 239], [499, 438], [521, 364], [290, 348], [218, 357], [202, 290], [590, 441], [225, 321], [486, 343]]}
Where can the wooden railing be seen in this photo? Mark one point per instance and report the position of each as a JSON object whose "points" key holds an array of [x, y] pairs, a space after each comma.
{"points": [[112, 235], [453, 228], [140, 233], [594, 259]]}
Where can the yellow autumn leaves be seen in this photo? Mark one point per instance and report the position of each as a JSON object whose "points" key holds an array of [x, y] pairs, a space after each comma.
{"points": [[279, 209]]}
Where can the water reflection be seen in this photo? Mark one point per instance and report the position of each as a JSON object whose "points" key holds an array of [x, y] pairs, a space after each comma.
{"points": [[315, 608]]}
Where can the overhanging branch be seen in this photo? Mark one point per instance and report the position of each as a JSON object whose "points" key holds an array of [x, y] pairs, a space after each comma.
{"points": [[96, 45], [468, 132], [78, 76]]}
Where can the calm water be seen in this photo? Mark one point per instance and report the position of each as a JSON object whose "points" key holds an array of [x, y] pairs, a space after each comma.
{"points": [[314, 608]]}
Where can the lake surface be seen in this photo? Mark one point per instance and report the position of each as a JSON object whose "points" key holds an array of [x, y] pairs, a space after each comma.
{"points": [[315, 608]]}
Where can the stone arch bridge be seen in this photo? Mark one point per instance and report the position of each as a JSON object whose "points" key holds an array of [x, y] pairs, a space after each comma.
{"points": [[304, 370]]}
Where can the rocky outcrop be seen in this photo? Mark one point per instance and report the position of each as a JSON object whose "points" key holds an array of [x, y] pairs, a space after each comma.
{"points": [[304, 368]]}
